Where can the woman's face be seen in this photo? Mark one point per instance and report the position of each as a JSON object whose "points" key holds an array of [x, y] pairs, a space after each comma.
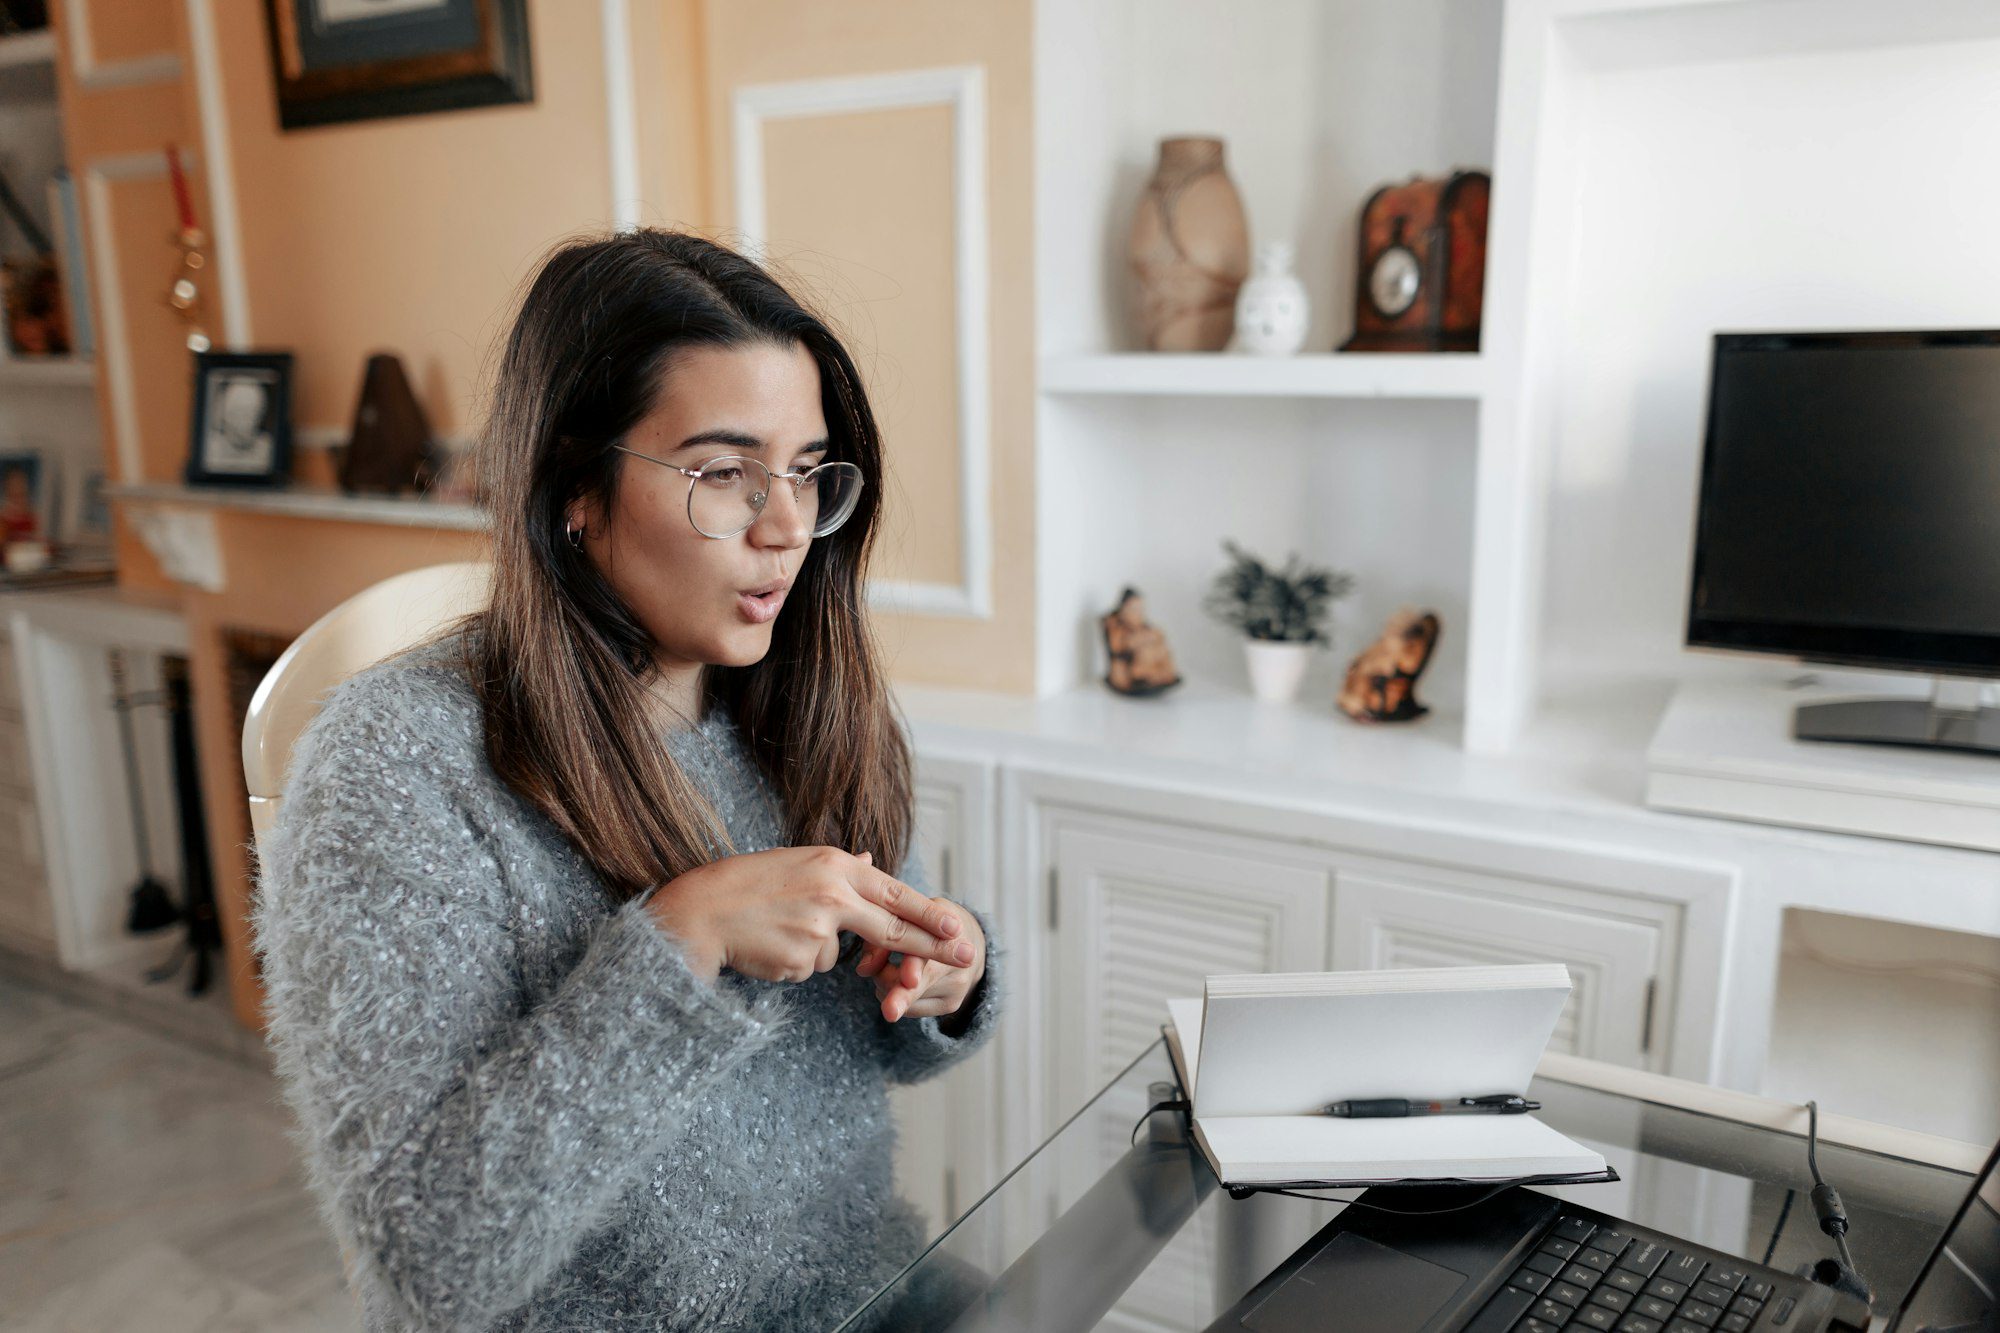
{"points": [[702, 599]]}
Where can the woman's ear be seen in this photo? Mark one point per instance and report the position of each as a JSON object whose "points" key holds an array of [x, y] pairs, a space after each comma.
{"points": [[581, 517]]}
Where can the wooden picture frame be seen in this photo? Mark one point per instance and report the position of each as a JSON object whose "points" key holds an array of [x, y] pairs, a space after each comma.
{"points": [[241, 428], [345, 60]]}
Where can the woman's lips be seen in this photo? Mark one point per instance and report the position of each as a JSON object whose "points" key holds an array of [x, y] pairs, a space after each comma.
{"points": [[760, 610]]}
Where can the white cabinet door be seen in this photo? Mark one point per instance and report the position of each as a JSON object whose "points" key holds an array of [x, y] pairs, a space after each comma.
{"points": [[1144, 911], [945, 1136], [1613, 946]]}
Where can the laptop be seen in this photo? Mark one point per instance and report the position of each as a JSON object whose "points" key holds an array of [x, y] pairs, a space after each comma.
{"points": [[1523, 1262]]}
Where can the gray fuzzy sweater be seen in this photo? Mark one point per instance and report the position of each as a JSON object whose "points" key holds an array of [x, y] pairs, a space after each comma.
{"points": [[518, 1107]]}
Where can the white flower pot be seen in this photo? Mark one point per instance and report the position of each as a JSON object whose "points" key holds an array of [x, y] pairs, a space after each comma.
{"points": [[1276, 668]]}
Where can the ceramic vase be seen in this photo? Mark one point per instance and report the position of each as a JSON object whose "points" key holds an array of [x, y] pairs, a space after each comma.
{"points": [[1189, 250], [1276, 668], [1272, 308]]}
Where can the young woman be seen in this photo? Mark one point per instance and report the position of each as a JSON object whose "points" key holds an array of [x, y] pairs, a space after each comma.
{"points": [[584, 968]]}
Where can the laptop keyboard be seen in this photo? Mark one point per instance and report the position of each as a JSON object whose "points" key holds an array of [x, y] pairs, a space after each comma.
{"points": [[1585, 1276]]}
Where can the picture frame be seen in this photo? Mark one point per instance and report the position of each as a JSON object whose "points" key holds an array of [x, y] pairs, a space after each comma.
{"points": [[24, 496], [345, 60], [240, 433]]}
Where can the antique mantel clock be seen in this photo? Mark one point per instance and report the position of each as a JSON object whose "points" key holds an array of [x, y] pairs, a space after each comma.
{"points": [[1422, 266]]}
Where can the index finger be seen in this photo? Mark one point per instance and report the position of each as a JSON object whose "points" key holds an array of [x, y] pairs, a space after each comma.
{"points": [[896, 916]]}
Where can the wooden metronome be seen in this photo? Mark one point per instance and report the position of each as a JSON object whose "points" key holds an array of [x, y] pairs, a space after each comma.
{"points": [[390, 448]]}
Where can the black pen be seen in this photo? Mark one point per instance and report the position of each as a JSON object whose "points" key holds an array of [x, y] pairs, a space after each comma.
{"points": [[1382, 1107]]}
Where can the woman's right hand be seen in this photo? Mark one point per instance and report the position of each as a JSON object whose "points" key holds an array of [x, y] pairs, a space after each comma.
{"points": [[777, 915]]}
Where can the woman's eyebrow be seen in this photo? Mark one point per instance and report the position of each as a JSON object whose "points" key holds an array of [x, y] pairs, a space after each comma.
{"points": [[737, 439]]}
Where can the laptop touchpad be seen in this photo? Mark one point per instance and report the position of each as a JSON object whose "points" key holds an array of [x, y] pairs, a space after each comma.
{"points": [[1354, 1285]]}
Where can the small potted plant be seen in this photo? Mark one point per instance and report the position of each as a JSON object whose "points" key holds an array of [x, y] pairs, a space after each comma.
{"points": [[1282, 614]]}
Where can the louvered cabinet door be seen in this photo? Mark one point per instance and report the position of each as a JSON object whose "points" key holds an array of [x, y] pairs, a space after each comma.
{"points": [[1144, 911], [1615, 947]]}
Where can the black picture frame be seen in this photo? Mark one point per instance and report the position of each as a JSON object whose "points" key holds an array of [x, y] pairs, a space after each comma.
{"points": [[236, 438], [334, 63]]}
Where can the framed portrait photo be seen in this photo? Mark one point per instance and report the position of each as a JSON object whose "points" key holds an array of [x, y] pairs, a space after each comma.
{"points": [[242, 429], [342, 60]]}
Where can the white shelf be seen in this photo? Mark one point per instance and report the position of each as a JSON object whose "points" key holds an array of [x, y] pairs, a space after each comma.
{"points": [[1231, 374], [308, 502], [27, 49], [47, 370]]}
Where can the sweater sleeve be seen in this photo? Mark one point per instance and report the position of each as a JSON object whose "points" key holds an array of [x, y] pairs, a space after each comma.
{"points": [[463, 1137], [914, 1049]]}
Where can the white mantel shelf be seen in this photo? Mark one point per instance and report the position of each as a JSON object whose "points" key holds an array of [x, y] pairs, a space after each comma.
{"points": [[40, 370], [405, 511], [1307, 375]]}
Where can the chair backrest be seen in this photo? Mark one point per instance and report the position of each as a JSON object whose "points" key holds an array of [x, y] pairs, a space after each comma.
{"points": [[373, 624]]}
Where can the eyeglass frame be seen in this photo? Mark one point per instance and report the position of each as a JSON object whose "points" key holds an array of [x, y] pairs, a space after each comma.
{"points": [[798, 480]]}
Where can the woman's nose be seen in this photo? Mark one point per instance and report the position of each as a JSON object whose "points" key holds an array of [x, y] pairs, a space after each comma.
{"points": [[781, 522]]}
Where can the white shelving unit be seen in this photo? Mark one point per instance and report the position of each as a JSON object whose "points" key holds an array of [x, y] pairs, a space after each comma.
{"points": [[1307, 375], [48, 404], [1364, 462], [47, 370]]}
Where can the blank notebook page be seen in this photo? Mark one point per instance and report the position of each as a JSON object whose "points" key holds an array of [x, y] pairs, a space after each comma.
{"points": [[1268, 1148]]}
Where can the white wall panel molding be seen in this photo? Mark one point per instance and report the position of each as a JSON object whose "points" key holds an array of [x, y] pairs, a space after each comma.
{"points": [[963, 89], [98, 76]]}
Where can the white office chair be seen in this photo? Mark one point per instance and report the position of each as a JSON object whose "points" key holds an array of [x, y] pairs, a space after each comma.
{"points": [[369, 626]]}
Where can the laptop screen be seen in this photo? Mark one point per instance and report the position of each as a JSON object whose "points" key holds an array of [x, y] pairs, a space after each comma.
{"points": [[1959, 1285]]}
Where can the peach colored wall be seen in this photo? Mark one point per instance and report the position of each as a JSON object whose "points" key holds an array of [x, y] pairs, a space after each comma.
{"points": [[886, 275], [409, 234], [767, 41]]}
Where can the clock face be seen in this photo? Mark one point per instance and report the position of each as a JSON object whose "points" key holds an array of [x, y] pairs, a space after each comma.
{"points": [[1393, 282]]}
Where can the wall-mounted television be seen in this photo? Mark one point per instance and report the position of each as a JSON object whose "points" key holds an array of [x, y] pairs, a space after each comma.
{"points": [[1849, 514]]}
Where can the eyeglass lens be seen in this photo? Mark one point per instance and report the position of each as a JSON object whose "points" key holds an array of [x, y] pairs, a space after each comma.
{"points": [[732, 492]]}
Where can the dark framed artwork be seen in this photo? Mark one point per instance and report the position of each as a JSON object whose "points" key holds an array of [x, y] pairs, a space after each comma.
{"points": [[341, 60], [241, 434]]}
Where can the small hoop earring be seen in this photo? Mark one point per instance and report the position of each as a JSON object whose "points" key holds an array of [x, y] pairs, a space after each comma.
{"points": [[575, 535]]}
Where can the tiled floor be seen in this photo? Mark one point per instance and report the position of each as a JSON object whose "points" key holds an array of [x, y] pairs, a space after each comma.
{"points": [[147, 1183]]}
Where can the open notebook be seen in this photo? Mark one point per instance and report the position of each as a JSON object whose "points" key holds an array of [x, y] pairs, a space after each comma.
{"points": [[1259, 1054]]}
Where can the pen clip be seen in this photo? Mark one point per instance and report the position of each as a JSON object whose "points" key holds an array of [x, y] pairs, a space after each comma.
{"points": [[1506, 1103]]}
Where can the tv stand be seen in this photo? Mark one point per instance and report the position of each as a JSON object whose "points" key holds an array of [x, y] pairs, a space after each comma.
{"points": [[1951, 719], [1730, 749]]}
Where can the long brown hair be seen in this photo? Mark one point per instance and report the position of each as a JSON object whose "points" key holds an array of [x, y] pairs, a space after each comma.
{"points": [[560, 662]]}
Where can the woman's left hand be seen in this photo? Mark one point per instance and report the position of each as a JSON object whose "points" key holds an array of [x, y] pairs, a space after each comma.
{"points": [[920, 987]]}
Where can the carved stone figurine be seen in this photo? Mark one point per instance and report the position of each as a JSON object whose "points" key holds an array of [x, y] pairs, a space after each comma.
{"points": [[1381, 684], [1141, 661]]}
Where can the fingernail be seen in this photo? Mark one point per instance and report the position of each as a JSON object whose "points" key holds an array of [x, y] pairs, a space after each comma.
{"points": [[948, 926], [963, 953]]}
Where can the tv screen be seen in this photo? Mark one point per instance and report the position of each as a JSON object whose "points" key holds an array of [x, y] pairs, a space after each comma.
{"points": [[1849, 507]]}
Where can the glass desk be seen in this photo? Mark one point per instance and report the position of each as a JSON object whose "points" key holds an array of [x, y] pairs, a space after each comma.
{"points": [[1094, 1231]]}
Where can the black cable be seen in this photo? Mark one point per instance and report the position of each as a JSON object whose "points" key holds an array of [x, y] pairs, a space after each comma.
{"points": [[1825, 1198], [1839, 1274]]}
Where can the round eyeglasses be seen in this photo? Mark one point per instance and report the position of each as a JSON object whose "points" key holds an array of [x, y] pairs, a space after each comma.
{"points": [[726, 495]]}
